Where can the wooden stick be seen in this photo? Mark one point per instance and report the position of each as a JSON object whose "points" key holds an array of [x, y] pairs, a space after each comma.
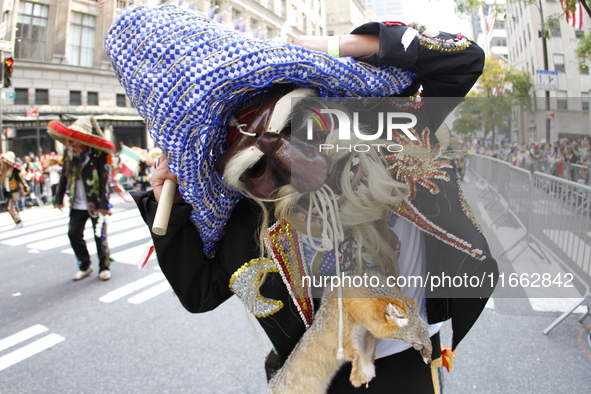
{"points": [[164, 206]]}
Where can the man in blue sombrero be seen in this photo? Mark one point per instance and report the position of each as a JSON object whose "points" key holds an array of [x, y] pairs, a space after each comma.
{"points": [[227, 112]]}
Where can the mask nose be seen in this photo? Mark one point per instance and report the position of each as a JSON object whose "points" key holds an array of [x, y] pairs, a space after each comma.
{"points": [[297, 162]]}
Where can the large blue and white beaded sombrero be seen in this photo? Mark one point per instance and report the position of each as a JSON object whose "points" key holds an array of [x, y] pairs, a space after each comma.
{"points": [[187, 75]]}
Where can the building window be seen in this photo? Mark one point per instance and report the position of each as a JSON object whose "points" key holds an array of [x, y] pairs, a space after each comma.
{"points": [[271, 5], [283, 9], [22, 97], [121, 100], [75, 97], [585, 101], [561, 101], [578, 33], [81, 39], [254, 24], [555, 31], [498, 42], [41, 96], [559, 62], [92, 98], [31, 29], [500, 24], [236, 14], [528, 32]]}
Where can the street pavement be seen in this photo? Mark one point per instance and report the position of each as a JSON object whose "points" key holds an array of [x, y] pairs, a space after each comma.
{"points": [[131, 335]]}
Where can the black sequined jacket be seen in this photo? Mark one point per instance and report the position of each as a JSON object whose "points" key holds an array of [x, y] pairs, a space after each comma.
{"points": [[447, 66]]}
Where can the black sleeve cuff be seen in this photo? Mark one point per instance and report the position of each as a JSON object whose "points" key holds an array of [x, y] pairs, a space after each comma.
{"points": [[394, 50]]}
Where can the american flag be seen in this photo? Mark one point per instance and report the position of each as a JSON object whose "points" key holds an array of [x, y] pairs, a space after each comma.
{"points": [[101, 5], [498, 90], [490, 17], [574, 17]]}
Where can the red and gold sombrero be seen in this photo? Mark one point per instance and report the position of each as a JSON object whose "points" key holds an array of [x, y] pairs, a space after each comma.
{"points": [[9, 158], [81, 131], [49, 159]]}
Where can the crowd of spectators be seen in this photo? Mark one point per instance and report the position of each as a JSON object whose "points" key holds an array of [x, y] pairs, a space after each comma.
{"points": [[568, 159], [42, 176], [35, 174]]}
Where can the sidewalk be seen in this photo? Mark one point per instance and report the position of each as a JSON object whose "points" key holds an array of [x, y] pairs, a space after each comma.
{"points": [[506, 351]]}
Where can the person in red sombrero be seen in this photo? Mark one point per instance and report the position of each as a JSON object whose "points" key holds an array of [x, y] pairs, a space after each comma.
{"points": [[12, 182], [85, 177]]}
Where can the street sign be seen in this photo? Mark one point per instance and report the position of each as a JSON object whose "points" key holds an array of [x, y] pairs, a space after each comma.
{"points": [[6, 46], [8, 95], [546, 80], [8, 5], [32, 112], [550, 114]]}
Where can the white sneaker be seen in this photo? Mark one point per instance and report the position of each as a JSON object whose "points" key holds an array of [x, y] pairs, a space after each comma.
{"points": [[105, 275], [82, 274], [19, 225]]}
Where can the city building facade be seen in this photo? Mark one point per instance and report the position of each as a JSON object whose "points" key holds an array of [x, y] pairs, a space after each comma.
{"points": [[61, 70], [345, 15], [565, 113]]}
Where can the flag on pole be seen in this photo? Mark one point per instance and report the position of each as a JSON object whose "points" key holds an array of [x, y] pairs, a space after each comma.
{"points": [[490, 17], [101, 5], [573, 17], [129, 160]]}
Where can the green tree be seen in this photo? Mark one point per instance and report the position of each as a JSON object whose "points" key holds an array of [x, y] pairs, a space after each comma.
{"points": [[489, 105]]}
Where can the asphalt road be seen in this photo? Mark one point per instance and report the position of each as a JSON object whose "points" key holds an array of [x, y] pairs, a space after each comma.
{"points": [[131, 335]]}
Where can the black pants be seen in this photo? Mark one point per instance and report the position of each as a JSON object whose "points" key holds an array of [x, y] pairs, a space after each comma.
{"points": [[403, 372], [78, 220]]}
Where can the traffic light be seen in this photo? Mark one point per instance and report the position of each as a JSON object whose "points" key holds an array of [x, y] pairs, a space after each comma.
{"points": [[8, 62]]}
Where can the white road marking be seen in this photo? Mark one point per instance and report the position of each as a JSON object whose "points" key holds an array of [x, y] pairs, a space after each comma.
{"points": [[58, 241], [31, 237], [49, 226], [33, 218], [150, 293], [28, 229], [21, 336], [555, 304], [131, 287], [29, 350], [130, 256], [119, 239]]}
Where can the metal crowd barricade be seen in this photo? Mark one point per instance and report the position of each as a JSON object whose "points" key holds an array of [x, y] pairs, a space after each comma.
{"points": [[512, 186], [2, 197], [555, 213], [561, 225], [574, 173]]}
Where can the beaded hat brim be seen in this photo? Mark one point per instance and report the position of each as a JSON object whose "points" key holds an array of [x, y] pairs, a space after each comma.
{"points": [[187, 75], [62, 133], [10, 160]]}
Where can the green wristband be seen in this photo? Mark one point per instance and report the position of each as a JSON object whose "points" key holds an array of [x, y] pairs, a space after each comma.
{"points": [[334, 46]]}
